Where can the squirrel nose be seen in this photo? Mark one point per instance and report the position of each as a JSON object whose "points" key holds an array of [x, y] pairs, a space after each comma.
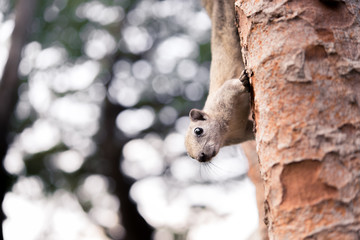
{"points": [[202, 157]]}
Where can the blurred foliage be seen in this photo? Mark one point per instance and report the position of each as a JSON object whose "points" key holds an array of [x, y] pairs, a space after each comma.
{"points": [[58, 24], [148, 57], [106, 79]]}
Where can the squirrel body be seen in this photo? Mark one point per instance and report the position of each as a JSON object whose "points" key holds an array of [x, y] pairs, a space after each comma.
{"points": [[224, 118]]}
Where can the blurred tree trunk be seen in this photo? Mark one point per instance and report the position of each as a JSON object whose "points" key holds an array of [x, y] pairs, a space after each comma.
{"points": [[249, 148], [305, 58], [111, 142], [9, 85]]}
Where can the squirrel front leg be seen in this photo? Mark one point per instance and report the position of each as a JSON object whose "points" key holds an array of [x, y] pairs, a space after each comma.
{"points": [[230, 106], [231, 100], [237, 95], [245, 79]]}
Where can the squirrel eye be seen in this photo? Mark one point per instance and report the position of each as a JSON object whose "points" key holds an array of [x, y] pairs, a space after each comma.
{"points": [[198, 131]]}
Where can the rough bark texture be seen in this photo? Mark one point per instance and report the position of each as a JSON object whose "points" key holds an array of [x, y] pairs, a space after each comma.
{"points": [[9, 85], [305, 58]]}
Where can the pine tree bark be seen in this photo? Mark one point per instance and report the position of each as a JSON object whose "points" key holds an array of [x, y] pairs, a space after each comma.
{"points": [[305, 57]]}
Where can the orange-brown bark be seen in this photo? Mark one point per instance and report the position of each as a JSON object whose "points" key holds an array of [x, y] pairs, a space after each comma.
{"points": [[305, 56]]}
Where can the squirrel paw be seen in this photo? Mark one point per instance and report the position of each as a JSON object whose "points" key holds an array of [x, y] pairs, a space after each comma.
{"points": [[245, 79]]}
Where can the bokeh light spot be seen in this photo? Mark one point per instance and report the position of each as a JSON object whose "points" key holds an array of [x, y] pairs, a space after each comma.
{"points": [[139, 164], [68, 161], [133, 121]]}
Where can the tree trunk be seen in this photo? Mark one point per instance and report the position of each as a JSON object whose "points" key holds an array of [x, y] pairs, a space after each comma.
{"points": [[249, 148], [9, 86], [111, 143], [305, 58]]}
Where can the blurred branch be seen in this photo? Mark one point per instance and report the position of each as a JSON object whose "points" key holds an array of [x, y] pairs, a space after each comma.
{"points": [[9, 83]]}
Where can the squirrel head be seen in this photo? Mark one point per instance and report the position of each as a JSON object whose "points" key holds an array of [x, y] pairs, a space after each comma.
{"points": [[203, 138]]}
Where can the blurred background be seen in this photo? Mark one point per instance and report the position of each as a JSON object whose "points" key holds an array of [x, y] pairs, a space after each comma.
{"points": [[94, 148]]}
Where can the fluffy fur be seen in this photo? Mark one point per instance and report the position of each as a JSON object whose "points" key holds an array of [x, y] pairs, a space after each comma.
{"points": [[224, 119]]}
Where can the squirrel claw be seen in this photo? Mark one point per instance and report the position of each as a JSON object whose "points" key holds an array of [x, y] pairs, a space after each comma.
{"points": [[245, 79]]}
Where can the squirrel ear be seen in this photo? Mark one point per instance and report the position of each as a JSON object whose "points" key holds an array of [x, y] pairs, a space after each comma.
{"points": [[197, 115]]}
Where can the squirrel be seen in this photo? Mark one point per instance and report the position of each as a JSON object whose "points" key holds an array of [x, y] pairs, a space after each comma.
{"points": [[224, 118]]}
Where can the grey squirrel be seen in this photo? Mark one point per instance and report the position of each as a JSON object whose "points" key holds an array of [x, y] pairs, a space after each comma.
{"points": [[224, 118]]}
